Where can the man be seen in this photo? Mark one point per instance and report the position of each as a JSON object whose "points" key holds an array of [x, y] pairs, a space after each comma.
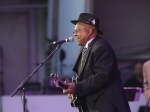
{"points": [[146, 80], [137, 79], [99, 77]]}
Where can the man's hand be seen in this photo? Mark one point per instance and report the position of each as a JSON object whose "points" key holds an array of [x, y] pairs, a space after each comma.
{"points": [[71, 88]]}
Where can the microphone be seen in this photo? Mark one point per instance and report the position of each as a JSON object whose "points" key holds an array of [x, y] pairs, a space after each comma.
{"points": [[70, 39]]}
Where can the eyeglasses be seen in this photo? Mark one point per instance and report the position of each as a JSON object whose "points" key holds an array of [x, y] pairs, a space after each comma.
{"points": [[78, 30]]}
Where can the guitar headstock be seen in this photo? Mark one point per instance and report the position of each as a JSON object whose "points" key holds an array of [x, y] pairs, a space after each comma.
{"points": [[56, 78], [53, 75]]}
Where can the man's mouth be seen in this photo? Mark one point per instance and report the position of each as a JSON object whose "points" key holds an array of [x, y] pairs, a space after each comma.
{"points": [[77, 38]]}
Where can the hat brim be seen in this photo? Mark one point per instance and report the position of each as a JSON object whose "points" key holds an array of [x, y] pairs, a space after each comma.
{"points": [[75, 22]]}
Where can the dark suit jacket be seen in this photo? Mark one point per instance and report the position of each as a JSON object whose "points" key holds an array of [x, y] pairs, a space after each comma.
{"points": [[100, 74]]}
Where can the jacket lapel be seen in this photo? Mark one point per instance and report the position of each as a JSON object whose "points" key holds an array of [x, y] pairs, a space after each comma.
{"points": [[75, 68], [87, 54]]}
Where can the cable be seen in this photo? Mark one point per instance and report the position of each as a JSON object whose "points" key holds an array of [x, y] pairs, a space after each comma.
{"points": [[44, 51]]}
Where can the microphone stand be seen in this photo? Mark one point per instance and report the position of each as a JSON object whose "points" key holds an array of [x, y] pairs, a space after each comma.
{"points": [[21, 85]]}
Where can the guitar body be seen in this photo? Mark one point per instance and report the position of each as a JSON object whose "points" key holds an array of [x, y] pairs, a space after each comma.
{"points": [[76, 100]]}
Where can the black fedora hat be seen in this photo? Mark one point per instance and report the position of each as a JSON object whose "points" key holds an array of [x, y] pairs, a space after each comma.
{"points": [[88, 19]]}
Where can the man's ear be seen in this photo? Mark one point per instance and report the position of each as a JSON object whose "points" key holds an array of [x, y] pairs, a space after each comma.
{"points": [[91, 31]]}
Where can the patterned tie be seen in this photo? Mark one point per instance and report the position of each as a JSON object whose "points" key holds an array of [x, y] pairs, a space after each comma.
{"points": [[83, 54]]}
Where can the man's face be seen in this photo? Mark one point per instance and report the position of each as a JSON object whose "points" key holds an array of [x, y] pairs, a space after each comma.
{"points": [[81, 33], [138, 69]]}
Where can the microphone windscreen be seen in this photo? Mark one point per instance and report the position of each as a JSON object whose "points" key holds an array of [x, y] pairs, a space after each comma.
{"points": [[71, 39]]}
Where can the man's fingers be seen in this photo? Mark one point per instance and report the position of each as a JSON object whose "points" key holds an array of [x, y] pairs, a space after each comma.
{"points": [[70, 96], [65, 82], [65, 91], [71, 88]]}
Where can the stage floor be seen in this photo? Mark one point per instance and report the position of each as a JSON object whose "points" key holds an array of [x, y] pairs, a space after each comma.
{"points": [[51, 103]]}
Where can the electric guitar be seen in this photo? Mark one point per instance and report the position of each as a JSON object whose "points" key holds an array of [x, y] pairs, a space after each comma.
{"points": [[76, 101]]}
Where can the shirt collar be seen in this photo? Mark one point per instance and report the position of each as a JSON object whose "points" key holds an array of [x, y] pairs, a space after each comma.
{"points": [[87, 44]]}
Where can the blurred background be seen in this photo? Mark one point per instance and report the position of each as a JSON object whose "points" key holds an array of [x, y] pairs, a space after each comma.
{"points": [[28, 26]]}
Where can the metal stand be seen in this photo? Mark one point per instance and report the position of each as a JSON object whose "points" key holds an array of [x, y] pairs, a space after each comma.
{"points": [[21, 86], [23, 99]]}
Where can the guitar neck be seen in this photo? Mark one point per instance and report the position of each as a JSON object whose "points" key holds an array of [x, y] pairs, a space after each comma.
{"points": [[62, 85]]}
